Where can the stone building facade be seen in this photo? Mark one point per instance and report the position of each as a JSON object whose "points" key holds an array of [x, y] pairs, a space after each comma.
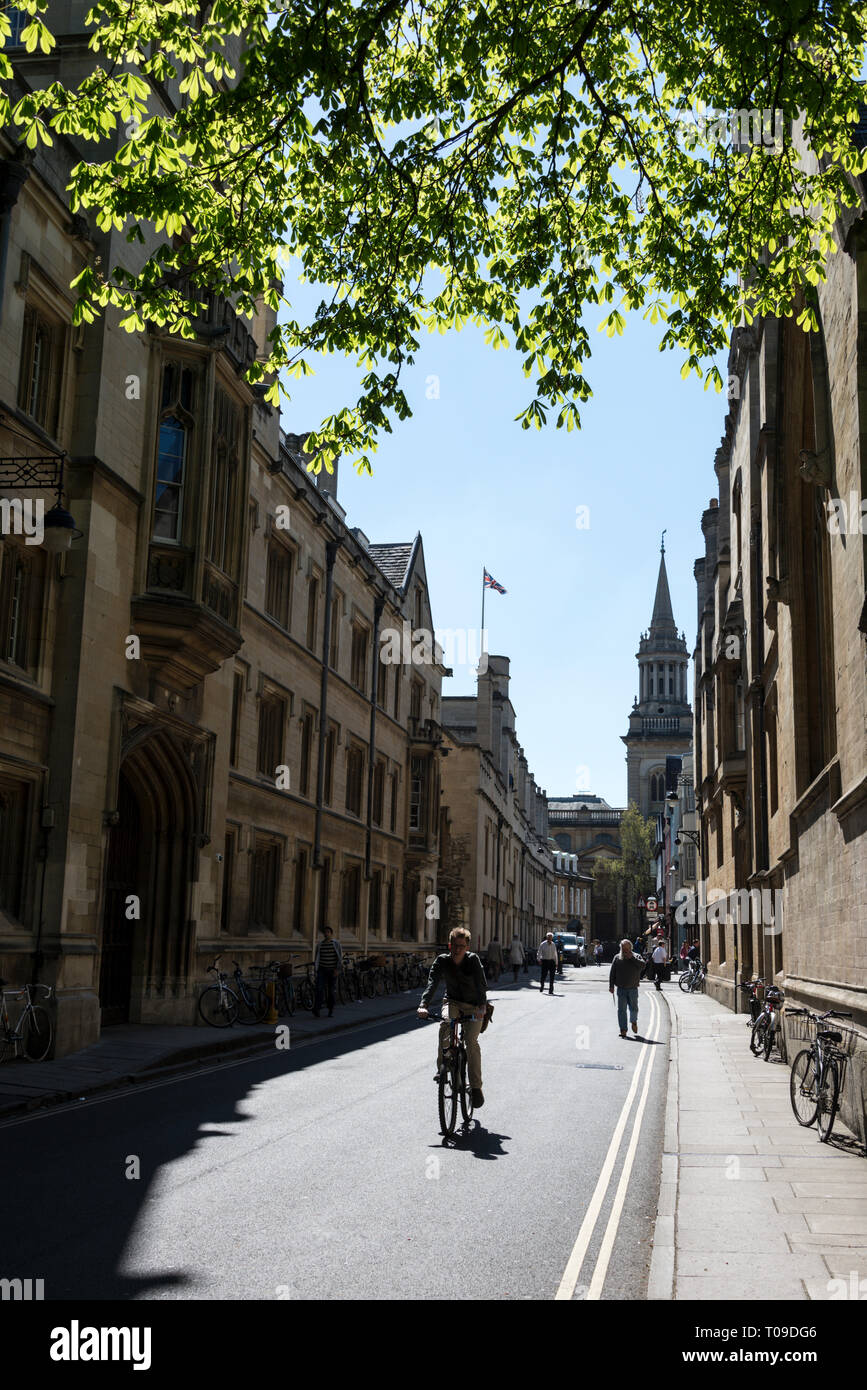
{"points": [[781, 664], [200, 749], [572, 895], [586, 826], [500, 869]]}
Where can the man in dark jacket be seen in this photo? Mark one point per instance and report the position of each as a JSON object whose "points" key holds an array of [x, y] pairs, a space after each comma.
{"points": [[625, 974], [462, 973]]}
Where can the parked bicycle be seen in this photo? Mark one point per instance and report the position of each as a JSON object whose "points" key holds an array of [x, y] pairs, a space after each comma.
{"points": [[814, 1086], [768, 1027], [692, 980], [454, 1087], [218, 1003], [280, 974], [32, 1029]]}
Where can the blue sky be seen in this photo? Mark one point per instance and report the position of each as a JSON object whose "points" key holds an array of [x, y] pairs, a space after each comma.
{"points": [[482, 491]]}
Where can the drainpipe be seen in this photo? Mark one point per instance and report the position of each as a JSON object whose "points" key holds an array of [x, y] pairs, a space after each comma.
{"points": [[331, 550], [379, 604]]}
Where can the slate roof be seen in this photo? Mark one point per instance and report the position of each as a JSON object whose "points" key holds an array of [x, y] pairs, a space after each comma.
{"points": [[392, 559]]}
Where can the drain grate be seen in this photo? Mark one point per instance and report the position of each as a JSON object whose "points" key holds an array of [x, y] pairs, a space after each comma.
{"points": [[599, 1066]]}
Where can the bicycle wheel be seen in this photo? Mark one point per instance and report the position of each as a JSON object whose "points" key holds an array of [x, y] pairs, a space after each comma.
{"points": [[466, 1092], [448, 1099], [352, 987], [770, 1035], [379, 982], [36, 1034], [758, 1035], [369, 984], [684, 981], [306, 996], [388, 979], [829, 1098], [218, 1007], [802, 1088], [252, 1003]]}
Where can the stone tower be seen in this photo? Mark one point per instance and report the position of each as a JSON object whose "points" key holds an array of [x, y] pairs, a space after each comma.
{"points": [[660, 724]]}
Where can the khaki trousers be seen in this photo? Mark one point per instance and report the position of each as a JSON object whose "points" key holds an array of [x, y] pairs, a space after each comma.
{"points": [[472, 1028]]}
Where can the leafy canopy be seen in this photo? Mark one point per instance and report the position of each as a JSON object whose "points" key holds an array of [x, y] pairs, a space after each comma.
{"points": [[437, 162]]}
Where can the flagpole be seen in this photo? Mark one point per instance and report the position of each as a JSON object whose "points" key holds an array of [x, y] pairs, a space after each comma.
{"points": [[481, 638]]}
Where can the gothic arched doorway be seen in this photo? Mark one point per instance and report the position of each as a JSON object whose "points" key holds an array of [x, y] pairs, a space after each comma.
{"points": [[147, 956]]}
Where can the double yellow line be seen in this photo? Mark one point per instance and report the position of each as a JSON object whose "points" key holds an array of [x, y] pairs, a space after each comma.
{"points": [[579, 1251]]}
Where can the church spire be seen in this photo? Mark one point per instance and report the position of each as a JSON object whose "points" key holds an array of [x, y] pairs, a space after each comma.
{"points": [[662, 623]]}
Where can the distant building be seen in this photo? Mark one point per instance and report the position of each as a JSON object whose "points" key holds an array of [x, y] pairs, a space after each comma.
{"points": [[660, 724], [586, 826], [496, 867]]}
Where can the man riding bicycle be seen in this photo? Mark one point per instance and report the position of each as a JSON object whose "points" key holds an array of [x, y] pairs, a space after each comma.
{"points": [[463, 975]]}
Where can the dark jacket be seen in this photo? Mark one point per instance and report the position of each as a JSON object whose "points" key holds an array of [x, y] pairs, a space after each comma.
{"points": [[465, 983], [625, 974]]}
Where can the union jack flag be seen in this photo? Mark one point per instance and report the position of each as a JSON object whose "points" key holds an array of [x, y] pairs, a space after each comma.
{"points": [[491, 583]]}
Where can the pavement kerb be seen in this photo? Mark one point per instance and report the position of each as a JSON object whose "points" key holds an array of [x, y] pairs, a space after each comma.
{"points": [[660, 1283], [188, 1059]]}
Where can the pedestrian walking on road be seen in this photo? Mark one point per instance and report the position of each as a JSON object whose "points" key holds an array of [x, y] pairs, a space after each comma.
{"points": [[660, 959], [516, 955], [495, 959], [598, 952], [683, 957], [547, 958], [624, 977], [327, 964]]}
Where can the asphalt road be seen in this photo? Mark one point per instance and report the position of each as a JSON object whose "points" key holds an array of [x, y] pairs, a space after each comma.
{"points": [[320, 1173]]}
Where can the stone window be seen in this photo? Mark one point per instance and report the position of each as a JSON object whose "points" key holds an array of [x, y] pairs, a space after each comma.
{"points": [[418, 795], [173, 451], [392, 814], [351, 898], [334, 636], [278, 583], [230, 845], [354, 779], [312, 605], [374, 903], [223, 534], [358, 667], [237, 706], [328, 779], [378, 792], [299, 925], [22, 573], [324, 893], [306, 753], [272, 721], [264, 883], [14, 813]]}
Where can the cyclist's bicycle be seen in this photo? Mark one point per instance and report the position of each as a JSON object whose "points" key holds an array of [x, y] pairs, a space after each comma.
{"points": [[454, 1086], [814, 1086], [691, 981], [32, 1028]]}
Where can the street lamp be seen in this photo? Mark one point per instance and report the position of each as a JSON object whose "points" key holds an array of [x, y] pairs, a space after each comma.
{"points": [[42, 473]]}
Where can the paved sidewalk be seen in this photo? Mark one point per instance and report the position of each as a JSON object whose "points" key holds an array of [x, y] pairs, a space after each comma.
{"points": [[133, 1052], [751, 1205]]}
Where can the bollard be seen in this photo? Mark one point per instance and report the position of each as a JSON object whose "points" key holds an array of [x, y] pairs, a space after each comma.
{"points": [[272, 1015]]}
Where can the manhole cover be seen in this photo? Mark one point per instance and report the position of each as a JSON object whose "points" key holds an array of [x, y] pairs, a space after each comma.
{"points": [[599, 1066]]}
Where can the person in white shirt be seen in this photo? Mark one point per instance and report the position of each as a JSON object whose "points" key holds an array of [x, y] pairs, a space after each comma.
{"points": [[547, 958], [660, 959]]}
